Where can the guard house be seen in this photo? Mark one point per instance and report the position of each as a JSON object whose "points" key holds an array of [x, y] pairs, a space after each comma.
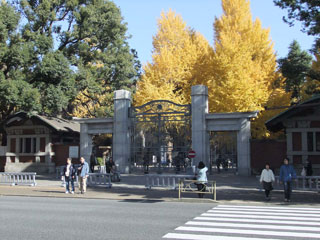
{"points": [[302, 127], [39, 143]]}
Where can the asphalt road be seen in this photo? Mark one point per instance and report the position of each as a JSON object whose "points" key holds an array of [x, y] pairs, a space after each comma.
{"points": [[65, 218], [43, 218]]}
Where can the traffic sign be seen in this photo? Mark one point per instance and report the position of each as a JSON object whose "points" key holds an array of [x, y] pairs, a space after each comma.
{"points": [[191, 154]]}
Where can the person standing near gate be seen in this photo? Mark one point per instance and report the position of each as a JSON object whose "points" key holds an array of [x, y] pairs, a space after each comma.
{"points": [[266, 179], [83, 175], [201, 178], [69, 173], [287, 173]]}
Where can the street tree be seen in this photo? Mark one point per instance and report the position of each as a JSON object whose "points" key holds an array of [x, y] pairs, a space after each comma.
{"points": [[305, 11], [177, 49], [17, 92], [295, 67], [312, 85], [243, 66], [80, 49]]}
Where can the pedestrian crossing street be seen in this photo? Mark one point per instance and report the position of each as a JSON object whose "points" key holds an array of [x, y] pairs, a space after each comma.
{"points": [[232, 222]]}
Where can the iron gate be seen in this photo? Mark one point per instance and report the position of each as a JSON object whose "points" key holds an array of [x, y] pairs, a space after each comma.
{"points": [[223, 151], [160, 136]]}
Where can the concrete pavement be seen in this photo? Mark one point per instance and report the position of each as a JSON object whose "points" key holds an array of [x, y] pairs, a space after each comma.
{"points": [[230, 189]]}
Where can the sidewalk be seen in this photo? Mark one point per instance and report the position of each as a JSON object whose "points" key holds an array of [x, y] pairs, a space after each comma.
{"points": [[230, 189]]}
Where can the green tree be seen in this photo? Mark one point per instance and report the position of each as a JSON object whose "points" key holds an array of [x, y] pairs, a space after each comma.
{"points": [[87, 36], [295, 67], [16, 92], [305, 11]]}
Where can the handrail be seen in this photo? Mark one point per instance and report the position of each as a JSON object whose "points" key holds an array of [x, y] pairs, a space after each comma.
{"points": [[100, 179], [302, 182], [164, 180], [93, 179], [188, 186], [22, 178]]}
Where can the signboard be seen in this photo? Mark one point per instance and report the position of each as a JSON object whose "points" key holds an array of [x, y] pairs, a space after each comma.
{"points": [[191, 154], [73, 151]]}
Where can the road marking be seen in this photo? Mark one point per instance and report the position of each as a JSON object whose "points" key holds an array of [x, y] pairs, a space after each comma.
{"points": [[268, 210], [265, 213], [256, 221], [209, 237], [226, 222], [252, 207], [241, 225], [258, 216], [249, 232]]}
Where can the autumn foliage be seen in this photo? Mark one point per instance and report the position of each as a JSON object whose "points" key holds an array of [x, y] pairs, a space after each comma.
{"points": [[239, 70], [176, 51]]}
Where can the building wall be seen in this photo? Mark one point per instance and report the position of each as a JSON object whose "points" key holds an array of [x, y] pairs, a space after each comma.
{"points": [[303, 140], [62, 153], [271, 151]]}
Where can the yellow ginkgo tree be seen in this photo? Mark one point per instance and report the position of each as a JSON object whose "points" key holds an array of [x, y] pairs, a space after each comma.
{"points": [[243, 65], [242, 68], [176, 51]]}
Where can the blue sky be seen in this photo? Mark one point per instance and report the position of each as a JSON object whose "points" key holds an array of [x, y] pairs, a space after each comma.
{"points": [[141, 17]]}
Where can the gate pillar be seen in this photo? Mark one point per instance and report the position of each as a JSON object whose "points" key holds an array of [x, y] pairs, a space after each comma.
{"points": [[243, 147], [199, 109], [121, 133], [85, 142]]}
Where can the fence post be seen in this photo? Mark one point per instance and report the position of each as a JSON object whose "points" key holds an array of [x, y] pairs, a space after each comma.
{"points": [[215, 192]]}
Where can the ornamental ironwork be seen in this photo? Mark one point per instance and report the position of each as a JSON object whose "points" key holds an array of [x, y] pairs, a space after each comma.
{"points": [[160, 135]]}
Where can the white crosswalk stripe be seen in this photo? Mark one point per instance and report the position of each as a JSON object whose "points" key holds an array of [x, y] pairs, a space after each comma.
{"points": [[233, 222]]}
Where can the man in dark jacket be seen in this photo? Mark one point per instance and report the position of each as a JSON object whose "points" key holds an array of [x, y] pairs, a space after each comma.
{"points": [[287, 173], [69, 173]]}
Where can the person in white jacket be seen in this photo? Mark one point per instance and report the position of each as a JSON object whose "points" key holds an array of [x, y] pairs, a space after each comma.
{"points": [[266, 179], [201, 178]]}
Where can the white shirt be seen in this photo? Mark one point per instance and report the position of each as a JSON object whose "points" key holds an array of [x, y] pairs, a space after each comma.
{"points": [[267, 176], [202, 175], [68, 170]]}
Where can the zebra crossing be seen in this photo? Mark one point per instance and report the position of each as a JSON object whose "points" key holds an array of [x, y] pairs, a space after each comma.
{"points": [[233, 222]]}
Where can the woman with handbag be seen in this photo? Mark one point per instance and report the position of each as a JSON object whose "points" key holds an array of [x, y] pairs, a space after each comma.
{"points": [[266, 178]]}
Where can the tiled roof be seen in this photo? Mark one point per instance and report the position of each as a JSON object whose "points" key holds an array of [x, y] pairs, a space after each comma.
{"points": [[58, 124]]}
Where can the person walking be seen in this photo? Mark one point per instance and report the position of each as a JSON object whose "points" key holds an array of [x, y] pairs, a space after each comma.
{"points": [[83, 175], [266, 179], [69, 173], [287, 173], [201, 178]]}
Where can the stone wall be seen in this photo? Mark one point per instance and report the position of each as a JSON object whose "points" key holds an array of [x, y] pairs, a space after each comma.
{"points": [[39, 168]]}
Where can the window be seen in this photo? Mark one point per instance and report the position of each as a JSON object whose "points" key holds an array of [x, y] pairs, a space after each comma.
{"points": [[34, 144], [318, 141], [297, 141], [28, 145], [310, 141], [21, 145]]}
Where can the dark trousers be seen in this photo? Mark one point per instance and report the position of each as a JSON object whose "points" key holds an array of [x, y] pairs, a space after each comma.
{"points": [[287, 190], [201, 188], [68, 180], [267, 188], [267, 192]]}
